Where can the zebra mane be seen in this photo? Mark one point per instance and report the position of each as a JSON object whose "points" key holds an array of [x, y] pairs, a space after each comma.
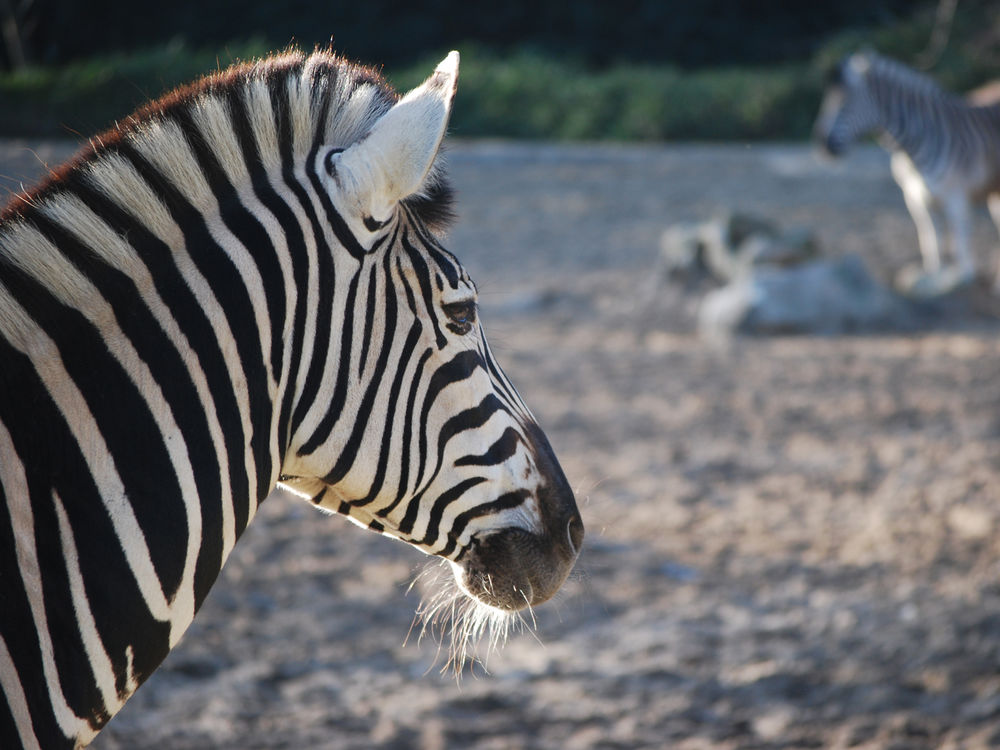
{"points": [[902, 75], [316, 98]]}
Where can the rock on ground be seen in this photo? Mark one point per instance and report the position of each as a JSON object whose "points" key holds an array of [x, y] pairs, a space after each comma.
{"points": [[827, 296]]}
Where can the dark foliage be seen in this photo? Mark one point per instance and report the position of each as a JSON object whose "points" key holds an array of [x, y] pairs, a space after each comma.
{"points": [[595, 32]]}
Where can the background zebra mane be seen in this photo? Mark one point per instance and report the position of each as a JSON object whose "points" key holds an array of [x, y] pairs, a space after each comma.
{"points": [[917, 82], [336, 99]]}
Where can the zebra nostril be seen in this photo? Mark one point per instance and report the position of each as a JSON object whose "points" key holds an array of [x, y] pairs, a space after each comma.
{"points": [[574, 532]]}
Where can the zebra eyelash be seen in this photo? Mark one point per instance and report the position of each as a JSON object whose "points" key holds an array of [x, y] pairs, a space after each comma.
{"points": [[461, 316]]}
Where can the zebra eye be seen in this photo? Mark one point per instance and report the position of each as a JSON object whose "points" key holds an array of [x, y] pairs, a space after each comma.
{"points": [[462, 316]]}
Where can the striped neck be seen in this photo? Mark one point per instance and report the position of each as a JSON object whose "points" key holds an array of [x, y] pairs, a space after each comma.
{"points": [[898, 93]]}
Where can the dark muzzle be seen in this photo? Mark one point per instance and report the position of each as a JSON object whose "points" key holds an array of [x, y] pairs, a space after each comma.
{"points": [[515, 568], [512, 569]]}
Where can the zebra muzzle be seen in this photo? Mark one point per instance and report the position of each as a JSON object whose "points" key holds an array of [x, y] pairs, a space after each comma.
{"points": [[513, 568]]}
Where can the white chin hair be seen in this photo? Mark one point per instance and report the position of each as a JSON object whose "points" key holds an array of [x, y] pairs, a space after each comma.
{"points": [[448, 609]]}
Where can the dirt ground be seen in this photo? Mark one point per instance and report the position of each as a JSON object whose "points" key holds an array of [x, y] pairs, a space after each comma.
{"points": [[791, 542]]}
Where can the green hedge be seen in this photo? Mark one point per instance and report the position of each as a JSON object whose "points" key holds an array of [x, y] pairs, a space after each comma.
{"points": [[525, 95], [84, 98], [527, 92]]}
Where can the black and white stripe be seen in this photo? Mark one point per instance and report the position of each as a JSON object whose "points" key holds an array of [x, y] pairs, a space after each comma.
{"points": [[239, 287], [946, 150]]}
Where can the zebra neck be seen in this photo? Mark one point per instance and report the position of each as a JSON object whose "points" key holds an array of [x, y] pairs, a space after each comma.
{"points": [[898, 95], [173, 332]]}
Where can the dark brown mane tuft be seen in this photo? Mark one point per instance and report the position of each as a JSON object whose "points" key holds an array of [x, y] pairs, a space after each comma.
{"points": [[434, 206]]}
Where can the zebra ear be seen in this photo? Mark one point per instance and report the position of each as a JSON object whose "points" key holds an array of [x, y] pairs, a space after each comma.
{"points": [[393, 161]]}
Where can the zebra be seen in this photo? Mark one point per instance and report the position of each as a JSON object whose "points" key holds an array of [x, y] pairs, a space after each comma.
{"points": [[945, 155], [242, 287]]}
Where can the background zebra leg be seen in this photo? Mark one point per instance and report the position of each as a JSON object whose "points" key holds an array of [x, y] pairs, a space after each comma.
{"points": [[918, 203], [959, 214], [939, 279], [931, 279], [993, 203]]}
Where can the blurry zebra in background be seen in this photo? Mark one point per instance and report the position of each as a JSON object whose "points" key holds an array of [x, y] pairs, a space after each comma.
{"points": [[240, 287], [945, 154]]}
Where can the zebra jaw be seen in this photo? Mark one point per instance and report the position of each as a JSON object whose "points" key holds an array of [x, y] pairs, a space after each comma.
{"points": [[508, 569]]}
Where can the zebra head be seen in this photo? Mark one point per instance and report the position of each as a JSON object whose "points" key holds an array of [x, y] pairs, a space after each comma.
{"points": [[849, 110], [412, 429]]}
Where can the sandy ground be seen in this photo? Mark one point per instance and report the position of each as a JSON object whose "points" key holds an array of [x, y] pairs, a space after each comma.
{"points": [[792, 542]]}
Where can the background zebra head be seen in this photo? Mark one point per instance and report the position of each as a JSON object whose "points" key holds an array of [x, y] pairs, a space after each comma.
{"points": [[849, 109], [405, 422]]}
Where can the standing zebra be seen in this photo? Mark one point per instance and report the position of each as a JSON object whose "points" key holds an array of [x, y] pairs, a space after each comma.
{"points": [[239, 287], [945, 154]]}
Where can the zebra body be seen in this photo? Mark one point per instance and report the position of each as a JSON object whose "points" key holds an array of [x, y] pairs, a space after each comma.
{"points": [[945, 153], [240, 287]]}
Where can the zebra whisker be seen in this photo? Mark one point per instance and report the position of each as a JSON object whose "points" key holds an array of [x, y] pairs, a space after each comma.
{"points": [[459, 621]]}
